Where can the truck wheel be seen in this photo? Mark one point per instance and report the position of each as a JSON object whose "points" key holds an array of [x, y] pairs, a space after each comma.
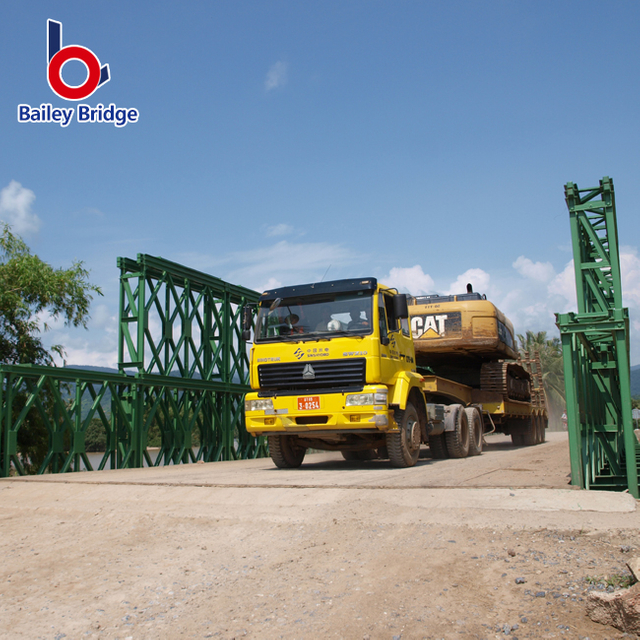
{"points": [[476, 431], [537, 429], [404, 447], [458, 439], [524, 435], [529, 433], [285, 453], [543, 428], [438, 447]]}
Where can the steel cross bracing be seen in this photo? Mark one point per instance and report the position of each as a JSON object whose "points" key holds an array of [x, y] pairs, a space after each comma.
{"points": [[604, 451], [183, 373], [176, 321]]}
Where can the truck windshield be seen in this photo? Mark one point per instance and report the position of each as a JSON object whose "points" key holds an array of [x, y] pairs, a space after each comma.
{"points": [[308, 318]]}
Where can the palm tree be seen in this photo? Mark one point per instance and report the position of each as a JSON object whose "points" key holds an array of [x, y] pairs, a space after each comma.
{"points": [[550, 350]]}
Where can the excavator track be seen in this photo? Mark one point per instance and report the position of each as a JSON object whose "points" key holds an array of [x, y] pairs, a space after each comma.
{"points": [[507, 378]]}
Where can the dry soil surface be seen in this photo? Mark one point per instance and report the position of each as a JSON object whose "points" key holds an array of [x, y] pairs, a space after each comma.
{"points": [[498, 546]]}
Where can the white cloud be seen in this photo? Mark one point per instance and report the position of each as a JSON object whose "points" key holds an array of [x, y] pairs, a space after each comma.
{"points": [[529, 302], [276, 76], [271, 283], [630, 274], [82, 354], [202, 261], [564, 285], [541, 271], [92, 211], [102, 318], [478, 278], [279, 230], [15, 209], [97, 346], [290, 263], [410, 279]]}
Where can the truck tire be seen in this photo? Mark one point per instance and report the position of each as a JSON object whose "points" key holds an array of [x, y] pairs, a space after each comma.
{"points": [[438, 447], [537, 427], [458, 439], [285, 453], [524, 435], [543, 429], [476, 431], [404, 447]]}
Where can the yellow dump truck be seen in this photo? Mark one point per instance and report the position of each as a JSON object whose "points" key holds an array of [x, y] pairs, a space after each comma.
{"points": [[355, 366]]}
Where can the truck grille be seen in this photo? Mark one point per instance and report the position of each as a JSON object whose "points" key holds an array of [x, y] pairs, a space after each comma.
{"points": [[328, 374]]}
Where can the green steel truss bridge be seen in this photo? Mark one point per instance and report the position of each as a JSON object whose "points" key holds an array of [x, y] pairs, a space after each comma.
{"points": [[604, 451], [183, 370]]}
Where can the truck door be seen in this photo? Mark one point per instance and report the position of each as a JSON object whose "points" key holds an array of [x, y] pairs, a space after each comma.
{"points": [[393, 354]]}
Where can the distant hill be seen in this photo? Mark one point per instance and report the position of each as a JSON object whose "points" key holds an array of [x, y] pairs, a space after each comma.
{"points": [[635, 380], [86, 367]]}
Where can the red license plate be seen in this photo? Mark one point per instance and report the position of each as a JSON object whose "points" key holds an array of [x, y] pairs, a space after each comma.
{"points": [[308, 402]]}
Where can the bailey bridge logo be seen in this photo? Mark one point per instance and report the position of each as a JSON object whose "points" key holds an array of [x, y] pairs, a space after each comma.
{"points": [[97, 75]]}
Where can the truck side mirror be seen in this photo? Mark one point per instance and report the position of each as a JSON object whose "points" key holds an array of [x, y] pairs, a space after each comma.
{"points": [[247, 321], [400, 306]]}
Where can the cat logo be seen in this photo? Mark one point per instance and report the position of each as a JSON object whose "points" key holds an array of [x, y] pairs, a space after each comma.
{"points": [[428, 326], [308, 373]]}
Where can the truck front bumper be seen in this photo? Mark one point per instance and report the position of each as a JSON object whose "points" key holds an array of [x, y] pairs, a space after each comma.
{"points": [[318, 412]]}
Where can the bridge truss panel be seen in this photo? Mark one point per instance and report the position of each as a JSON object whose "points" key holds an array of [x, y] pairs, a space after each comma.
{"points": [[178, 321], [595, 345], [184, 371]]}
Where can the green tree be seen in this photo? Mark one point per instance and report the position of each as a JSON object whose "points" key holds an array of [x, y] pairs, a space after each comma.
{"points": [[30, 287], [550, 350]]}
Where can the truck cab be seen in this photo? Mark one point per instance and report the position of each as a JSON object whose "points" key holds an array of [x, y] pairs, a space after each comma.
{"points": [[333, 368]]}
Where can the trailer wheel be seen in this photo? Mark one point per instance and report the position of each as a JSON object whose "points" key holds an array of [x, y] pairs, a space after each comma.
{"points": [[530, 432], [458, 439], [404, 447], [285, 453], [541, 426], [524, 435], [476, 431], [438, 447], [537, 429]]}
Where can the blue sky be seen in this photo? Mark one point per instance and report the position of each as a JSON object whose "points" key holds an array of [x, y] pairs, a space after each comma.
{"points": [[426, 144]]}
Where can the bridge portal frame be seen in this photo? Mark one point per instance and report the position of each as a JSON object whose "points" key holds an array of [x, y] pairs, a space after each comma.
{"points": [[604, 451]]}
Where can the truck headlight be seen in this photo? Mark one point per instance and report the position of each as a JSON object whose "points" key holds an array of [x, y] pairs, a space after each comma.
{"points": [[263, 404], [362, 399]]}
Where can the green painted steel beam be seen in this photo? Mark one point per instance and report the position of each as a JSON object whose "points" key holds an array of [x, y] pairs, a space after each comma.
{"points": [[604, 452], [180, 332]]}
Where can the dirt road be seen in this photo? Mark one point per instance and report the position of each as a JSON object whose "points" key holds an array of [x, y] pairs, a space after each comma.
{"points": [[495, 546]]}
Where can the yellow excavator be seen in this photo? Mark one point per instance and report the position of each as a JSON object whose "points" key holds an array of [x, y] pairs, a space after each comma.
{"points": [[466, 351]]}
